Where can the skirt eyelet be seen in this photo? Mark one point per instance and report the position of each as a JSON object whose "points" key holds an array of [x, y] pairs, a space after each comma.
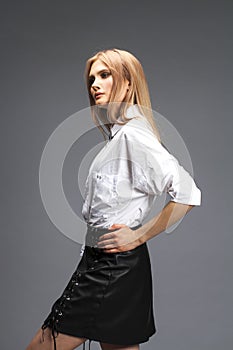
{"points": [[57, 311], [92, 300]]}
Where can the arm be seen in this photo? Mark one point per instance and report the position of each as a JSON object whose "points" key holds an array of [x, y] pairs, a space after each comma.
{"points": [[123, 238], [169, 215], [154, 171]]}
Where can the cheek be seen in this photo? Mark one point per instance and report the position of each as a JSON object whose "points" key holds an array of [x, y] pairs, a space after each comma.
{"points": [[108, 85]]}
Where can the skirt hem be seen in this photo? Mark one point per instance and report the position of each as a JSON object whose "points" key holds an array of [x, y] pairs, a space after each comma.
{"points": [[105, 340], [106, 292]]}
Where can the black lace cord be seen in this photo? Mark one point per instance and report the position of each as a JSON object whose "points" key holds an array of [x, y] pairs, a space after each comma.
{"points": [[54, 338], [57, 309], [53, 329]]}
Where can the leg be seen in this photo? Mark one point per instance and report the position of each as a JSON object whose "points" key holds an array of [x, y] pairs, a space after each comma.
{"points": [[106, 346], [63, 341]]}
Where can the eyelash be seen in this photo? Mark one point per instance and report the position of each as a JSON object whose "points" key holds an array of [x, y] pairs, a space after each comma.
{"points": [[103, 75]]}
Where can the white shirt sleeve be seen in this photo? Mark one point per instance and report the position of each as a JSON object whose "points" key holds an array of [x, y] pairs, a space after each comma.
{"points": [[155, 170]]}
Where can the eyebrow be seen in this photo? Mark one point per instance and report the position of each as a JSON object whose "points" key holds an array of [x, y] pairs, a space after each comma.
{"points": [[99, 72]]}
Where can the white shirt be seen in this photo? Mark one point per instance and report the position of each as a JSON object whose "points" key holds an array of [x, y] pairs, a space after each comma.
{"points": [[129, 172]]}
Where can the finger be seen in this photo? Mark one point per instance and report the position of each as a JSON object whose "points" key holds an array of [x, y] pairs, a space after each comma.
{"points": [[118, 249], [111, 251], [105, 237], [114, 226], [104, 246]]}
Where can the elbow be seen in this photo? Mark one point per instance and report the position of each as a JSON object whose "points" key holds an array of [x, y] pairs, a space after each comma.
{"points": [[190, 206]]}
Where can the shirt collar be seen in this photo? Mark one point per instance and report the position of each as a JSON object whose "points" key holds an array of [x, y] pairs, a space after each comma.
{"points": [[131, 112]]}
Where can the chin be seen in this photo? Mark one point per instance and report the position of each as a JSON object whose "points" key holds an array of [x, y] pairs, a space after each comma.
{"points": [[101, 103]]}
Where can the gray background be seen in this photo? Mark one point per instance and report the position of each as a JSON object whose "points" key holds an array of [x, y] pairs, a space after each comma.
{"points": [[186, 50]]}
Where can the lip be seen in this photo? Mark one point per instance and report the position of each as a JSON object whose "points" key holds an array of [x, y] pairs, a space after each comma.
{"points": [[99, 94]]}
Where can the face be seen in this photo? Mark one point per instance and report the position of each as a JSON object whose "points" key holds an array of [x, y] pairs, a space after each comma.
{"points": [[101, 82]]}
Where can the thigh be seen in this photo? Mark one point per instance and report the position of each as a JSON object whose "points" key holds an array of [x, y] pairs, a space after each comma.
{"points": [[106, 346], [44, 341]]}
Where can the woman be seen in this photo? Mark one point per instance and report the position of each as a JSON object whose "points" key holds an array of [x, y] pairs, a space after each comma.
{"points": [[109, 297]]}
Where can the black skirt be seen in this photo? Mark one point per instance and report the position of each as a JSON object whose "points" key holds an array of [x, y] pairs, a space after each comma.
{"points": [[109, 297]]}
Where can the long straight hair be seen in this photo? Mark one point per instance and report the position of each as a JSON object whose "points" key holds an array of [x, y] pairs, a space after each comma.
{"points": [[123, 66]]}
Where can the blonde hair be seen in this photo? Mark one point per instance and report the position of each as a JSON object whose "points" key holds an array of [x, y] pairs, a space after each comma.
{"points": [[123, 66]]}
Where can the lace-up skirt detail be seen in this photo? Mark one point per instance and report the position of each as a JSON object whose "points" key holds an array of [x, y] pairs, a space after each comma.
{"points": [[108, 297]]}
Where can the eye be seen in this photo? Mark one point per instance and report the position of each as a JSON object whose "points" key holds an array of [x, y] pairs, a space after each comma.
{"points": [[105, 75]]}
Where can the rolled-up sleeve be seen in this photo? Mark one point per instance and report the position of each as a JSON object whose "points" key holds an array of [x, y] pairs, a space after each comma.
{"points": [[157, 171]]}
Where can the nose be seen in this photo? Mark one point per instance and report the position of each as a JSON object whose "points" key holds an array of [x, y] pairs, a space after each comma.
{"points": [[95, 85]]}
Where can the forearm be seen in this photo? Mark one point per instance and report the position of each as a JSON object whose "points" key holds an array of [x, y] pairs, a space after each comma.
{"points": [[168, 216]]}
